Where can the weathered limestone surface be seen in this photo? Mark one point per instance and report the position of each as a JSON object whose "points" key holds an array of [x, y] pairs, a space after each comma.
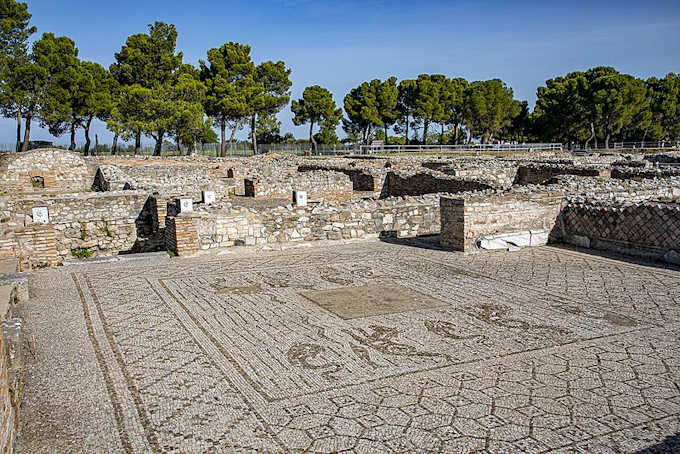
{"points": [[44, 170], [102, 223], [469, 223], [539, 173], [399, 184], [320, 185], [399, 217]]}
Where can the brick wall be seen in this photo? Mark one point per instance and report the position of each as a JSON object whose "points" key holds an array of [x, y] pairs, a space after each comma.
{"points": [[8, 412], [181, 236], [103, 223]]}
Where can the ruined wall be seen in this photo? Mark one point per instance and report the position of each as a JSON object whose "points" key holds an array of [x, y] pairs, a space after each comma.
{"points": [[640, 228], [363, 179], [632, 173], [172, 177], [427, 182], [320, 185], [44, 170], [8, 410], [102, 223], [500, 174], [465, 221], [407, 217], [537, 174]]}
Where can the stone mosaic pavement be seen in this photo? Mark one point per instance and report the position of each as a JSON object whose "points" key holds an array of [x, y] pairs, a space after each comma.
{"points": [[546, 349]]}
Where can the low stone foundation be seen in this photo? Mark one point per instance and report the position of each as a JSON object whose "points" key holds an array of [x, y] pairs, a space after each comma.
{"points": [[320, 185], [650, 229], [215, 228], [428, 182], [538, 174], [365, 179], [468, 221]]}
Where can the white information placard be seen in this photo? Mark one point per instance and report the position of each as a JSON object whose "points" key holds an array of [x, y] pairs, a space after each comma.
{"points": [[41, 215], [300, 198], [208, 197], [186, 205]]}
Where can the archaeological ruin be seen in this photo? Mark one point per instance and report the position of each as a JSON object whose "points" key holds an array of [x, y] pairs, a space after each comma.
{"points": [[279, 303]]}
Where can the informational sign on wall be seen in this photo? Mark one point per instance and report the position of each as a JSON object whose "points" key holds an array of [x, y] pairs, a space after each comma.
{"points": [[208, 197], [186, 205], [41, 215], [300, 198]]}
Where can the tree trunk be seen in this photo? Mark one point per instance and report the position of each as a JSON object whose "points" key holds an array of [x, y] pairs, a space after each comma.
{"points": [[19, 144], [407, 122], [592, 135], [385, 133], [254, 133], [456, 134], [72, 145], [233, 134], [223, 130], [114, 146], [138, 142], [180, 146], [606, 141], [159, 143], [86, 149], [426, 126], [27, 131], [441, 136], [311, 136]]}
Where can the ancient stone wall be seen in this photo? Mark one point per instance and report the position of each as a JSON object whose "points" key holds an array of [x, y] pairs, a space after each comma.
{"points": [[398, 217], [44, 170], [468, 220], [320, 185], [171, 180], [631, 173], [101, 223], [8, 411], [537, 174], [640, 228], [363, 179], [428, 182], [500, 174]]}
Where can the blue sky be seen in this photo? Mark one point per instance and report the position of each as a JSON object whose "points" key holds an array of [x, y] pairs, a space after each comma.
{"points": [[339, 44]]}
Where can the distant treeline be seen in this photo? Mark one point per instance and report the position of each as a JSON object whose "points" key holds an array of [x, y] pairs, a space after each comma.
{"points": [[150, 91]]}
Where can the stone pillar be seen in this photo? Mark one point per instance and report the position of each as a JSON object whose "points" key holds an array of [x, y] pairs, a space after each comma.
{"points": [[181, 236], [452, 223]]}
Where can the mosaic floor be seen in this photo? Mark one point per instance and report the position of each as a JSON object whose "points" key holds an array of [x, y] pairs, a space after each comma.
{"points": [[369, 347]]}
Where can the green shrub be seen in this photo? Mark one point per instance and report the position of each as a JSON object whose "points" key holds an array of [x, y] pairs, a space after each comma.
{"points": [[81, 253]]}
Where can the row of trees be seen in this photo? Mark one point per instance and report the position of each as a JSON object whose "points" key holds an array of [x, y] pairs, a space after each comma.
{"points": [[461, 109], [150, 91], [603, 104]]}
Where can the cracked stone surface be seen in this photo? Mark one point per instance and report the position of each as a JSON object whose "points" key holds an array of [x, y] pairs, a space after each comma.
{"points": [[546, 349]]}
